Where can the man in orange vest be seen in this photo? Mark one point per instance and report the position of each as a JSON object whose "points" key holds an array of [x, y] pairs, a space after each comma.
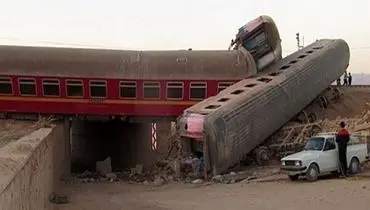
{"points": [[342, 139]]}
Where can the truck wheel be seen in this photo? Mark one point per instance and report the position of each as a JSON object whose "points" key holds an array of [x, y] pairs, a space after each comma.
{"points": [[293, 177], [312, 172], [354, 166]]}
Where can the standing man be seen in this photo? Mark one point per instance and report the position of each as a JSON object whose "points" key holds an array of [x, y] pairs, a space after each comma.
{"points": [[342, 139], [349, 79], [345, 79]]}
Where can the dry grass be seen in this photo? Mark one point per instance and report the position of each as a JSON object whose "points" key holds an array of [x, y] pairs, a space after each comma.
{"points": [[12, 130]]}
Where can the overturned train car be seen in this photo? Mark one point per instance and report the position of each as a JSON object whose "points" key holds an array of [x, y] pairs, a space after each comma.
{"points": [[242, 116]]}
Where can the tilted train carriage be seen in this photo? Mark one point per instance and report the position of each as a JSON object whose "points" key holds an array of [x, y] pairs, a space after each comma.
{"points": [[226, 127]]}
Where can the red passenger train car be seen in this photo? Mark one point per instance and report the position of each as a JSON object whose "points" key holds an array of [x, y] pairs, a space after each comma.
{"points": [[108, 82], [116, 83]]}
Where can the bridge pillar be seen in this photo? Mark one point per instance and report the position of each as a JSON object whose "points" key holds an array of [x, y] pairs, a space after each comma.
{"points": [[79, 135], [67, 141], [163, 137]]}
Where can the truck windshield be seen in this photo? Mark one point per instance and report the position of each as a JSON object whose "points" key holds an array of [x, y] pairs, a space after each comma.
{"points": [[315, 143]]}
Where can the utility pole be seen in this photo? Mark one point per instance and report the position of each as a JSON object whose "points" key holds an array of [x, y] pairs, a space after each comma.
{"points": [[299, 41]]}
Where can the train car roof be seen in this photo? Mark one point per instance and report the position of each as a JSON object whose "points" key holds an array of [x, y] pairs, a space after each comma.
{"points": [[217, 103], [106, 63]]}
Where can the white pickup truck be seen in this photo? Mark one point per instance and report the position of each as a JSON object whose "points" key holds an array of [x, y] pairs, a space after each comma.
{"points": [[320, 157]]}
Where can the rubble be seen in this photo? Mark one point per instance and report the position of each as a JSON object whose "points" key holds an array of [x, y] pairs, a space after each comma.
{"points": [[111, 177], [158, 181], [197, 181], [104, 167], [246, 175], [58, 199]]}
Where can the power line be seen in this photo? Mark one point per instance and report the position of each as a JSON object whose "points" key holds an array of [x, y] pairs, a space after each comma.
{"points": [[52, 42]]}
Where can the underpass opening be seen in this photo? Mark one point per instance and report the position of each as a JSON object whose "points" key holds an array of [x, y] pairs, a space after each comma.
{"points": [[127, 144]]}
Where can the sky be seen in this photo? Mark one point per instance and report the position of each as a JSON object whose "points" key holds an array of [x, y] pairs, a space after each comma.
{"points": [[176, 24]]}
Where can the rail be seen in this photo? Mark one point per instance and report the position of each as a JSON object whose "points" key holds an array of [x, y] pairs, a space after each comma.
{"points": [[352, 86]]}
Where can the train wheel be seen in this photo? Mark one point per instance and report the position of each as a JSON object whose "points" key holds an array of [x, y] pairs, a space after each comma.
{"points": [[337, 93], [312, 117], [262, 155], [323, 102], [303, 117]]}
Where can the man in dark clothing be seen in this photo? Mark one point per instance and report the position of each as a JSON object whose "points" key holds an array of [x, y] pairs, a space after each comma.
{"points": [[342, 139], [345, 79], [349, 79]]}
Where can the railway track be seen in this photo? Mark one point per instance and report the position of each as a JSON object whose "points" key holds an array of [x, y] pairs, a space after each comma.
{"points": [[352, 86]]}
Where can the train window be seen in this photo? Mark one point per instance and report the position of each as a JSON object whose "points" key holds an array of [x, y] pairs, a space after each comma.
{"points": [[75, 88], [98, 89], [264, 79], [250, 85], [223, 85], [275, 73], [284, 67], [198, 90], [27, 87], [175, 90], [223, 99], [151, 90], [212, 106], [50, 87], [6, 87], [301, 56], [237, 92], [127, 89], [293, 61]]}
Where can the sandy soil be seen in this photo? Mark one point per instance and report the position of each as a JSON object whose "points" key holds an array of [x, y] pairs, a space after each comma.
{"points": [[285, 195], [351, 103], [12, 130]]}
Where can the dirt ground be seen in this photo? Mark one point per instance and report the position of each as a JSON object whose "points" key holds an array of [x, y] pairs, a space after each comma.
{"points": [[12, 130], [350, 105], [285, 195]]}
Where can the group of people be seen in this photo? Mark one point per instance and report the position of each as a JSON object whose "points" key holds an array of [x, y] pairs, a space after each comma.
{"points": [[347, 79]]}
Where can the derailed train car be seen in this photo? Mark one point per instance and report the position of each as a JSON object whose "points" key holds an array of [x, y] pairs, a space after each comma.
{"points": [[245, 114], [261, 38]]}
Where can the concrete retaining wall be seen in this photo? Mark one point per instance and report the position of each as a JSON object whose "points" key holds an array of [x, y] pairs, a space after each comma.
{"points": [[30, 169]]}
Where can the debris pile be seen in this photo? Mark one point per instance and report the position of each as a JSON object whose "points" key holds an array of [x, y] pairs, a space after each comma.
{"points": [[291, 138], [247, 176]]}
